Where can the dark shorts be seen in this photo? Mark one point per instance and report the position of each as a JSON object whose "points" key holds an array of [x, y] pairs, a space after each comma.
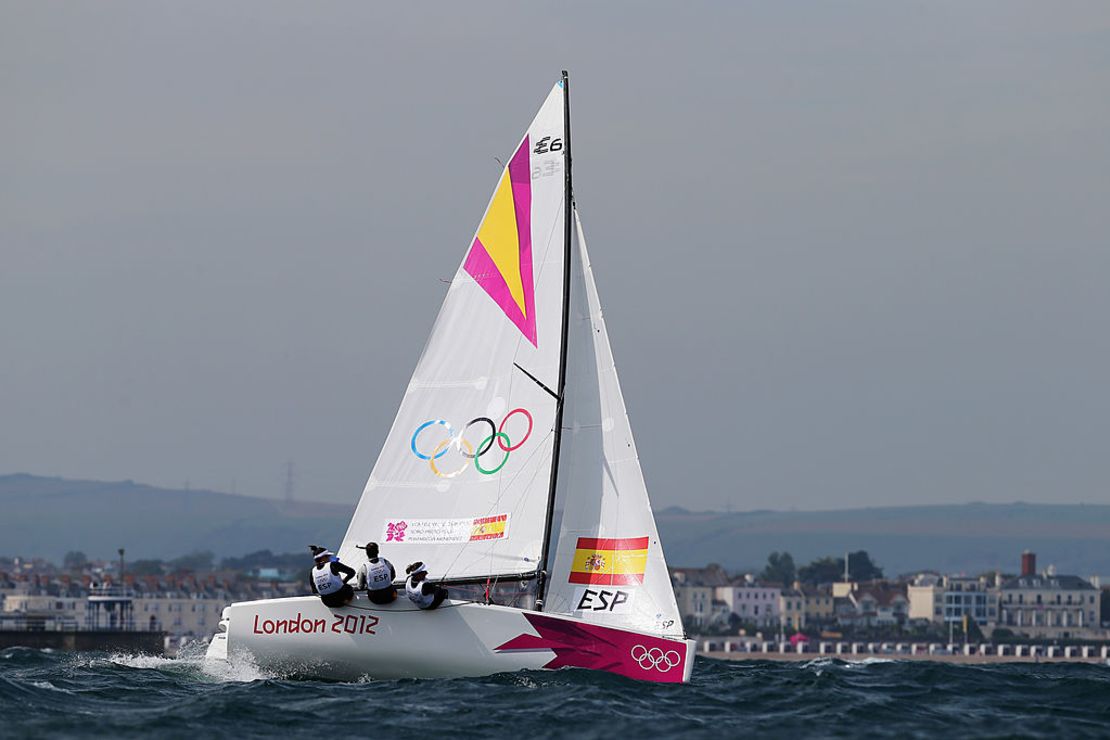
{"points": [[382, 595], [441, 594], [342, 597]]}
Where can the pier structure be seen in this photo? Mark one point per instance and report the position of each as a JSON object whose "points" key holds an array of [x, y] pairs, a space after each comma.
{"points": [[734, 649]]}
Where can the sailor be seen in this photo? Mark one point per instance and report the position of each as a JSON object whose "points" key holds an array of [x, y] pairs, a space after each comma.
{"points": [[420, 591], [376, 576], [329, 578]]}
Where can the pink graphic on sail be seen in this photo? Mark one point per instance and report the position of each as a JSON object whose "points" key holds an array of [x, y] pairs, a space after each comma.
{"points": [[500, 259]]}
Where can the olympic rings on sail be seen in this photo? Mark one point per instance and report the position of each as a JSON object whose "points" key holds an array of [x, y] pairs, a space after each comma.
{"points": [[504, 460], [649, 658], [502, 427], [486, 443], [422, 427], [466, 449], [443, 446]]}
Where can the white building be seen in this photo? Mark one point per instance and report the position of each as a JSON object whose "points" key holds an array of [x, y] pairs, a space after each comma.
{"points": [[179, 615], [926, 596], [1050, 607], [62, 611], [973, 597], [752, 602]]}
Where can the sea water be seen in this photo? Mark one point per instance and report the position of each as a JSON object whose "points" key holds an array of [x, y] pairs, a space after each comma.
{"points": [[51, 694]]}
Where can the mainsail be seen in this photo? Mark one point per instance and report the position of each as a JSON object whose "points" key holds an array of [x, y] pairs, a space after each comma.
{"points": [[608, 565], [465, 479], [462, 481]]}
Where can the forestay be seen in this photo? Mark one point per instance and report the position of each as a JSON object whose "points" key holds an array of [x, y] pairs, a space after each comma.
{"points": [[462, 481], [608, 565]]}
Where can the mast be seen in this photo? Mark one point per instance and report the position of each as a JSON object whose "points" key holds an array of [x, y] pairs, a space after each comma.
{"points": [[568, 215]]}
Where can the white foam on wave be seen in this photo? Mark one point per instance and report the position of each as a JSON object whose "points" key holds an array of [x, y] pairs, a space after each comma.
{"points": [[869, 661], [833, 662], [49, 686], [141, 660], [191, 660], [238, 668]]}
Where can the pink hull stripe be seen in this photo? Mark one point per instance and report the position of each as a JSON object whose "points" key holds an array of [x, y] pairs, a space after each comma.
{"points": [[592, 646]]}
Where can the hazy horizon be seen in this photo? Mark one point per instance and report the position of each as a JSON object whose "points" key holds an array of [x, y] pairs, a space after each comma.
{"points": [[850, 256], [657, 508]]}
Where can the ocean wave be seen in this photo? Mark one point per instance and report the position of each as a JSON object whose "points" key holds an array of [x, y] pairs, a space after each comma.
{"points": [[126, 695]]}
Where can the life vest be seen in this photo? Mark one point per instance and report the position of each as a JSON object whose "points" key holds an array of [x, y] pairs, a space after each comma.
{"points": [[378, 575], [326, 581], [415, 592]]}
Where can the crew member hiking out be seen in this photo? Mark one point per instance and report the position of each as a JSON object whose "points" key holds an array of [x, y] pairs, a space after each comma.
{"points": [[420, 591], [377, 576], [329, 577]]}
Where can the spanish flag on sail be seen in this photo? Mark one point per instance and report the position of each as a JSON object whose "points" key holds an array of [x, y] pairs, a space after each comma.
{"points": [[489, 527], [603, 561]]}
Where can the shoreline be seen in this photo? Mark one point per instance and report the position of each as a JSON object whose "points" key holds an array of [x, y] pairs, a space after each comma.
{"points": [[874, 657]]}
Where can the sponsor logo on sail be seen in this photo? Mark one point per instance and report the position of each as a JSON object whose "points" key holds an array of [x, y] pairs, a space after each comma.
{"points": [[446, 531], [489, 527], [607, 561], [395, 531]]}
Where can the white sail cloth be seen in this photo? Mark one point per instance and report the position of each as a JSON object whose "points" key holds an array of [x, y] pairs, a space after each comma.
{"points": [[608, 565], [462, 480]]}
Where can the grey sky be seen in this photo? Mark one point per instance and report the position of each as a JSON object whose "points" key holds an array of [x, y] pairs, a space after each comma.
{"points": [[850, 253]]}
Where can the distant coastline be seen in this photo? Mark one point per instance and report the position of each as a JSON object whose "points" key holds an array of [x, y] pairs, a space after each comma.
{"points": [[167, 523]]}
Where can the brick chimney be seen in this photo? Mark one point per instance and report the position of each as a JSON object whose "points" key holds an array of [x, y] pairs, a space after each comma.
{"points": [[1029, 563]]}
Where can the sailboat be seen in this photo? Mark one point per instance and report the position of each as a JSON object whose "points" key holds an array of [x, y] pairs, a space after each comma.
{"points": [[510, 470]]}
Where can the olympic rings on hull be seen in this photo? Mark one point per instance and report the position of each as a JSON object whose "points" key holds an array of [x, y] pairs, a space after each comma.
{"points": [[656, 658], [466, 449]]}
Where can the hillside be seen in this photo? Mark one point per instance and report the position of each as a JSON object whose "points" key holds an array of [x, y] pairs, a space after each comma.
{"points": [[46, 517], [967, 538]]}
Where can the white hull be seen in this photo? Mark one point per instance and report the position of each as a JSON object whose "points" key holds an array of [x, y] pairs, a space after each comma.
{"points": [[300, 636]]}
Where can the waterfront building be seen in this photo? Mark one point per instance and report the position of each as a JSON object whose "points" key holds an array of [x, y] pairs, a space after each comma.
{"points": [[872, 604], [35, 610], [973, 597], [184, 606], [926, 597], [818, 605], [1049, 606], [180, 615], [792, 609], [753, 602], [695, 590]]}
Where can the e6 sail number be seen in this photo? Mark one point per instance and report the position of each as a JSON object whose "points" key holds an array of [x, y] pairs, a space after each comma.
{"points": [[547, 144]]}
